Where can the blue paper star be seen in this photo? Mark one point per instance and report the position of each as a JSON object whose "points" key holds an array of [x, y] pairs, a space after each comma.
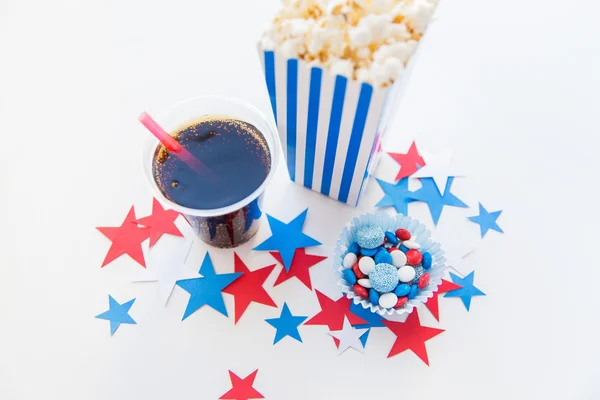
{"points": [[286, 325], [430, 194], [487, 220], [286, 238], [467, 291], [396, 195], [374, 320], [207, 290], [117, 314]]}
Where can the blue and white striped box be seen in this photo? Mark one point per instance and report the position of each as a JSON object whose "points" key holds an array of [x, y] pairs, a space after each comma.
{"points": [[330, 127]]}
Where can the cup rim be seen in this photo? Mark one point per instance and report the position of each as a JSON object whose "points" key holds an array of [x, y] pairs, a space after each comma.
{"points": [[151, 143]]}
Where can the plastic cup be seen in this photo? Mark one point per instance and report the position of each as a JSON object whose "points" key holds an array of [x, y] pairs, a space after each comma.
{"points": [[234, 224]]}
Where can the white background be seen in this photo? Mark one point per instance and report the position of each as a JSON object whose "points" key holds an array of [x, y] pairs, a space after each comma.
{"points": [[511, 85]]}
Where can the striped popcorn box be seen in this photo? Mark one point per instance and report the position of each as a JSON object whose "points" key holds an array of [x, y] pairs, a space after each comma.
{"points": [[330, 127]]}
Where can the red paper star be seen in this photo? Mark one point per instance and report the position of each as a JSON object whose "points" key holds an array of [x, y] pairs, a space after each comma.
{"points": [[332, 314], [126, 239], [248, 287], [408, 162], [433, 303], [411, 335], [299, 268], [160, 222], [242, 388]]}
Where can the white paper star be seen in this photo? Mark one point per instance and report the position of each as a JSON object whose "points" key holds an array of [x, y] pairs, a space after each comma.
{"points": [[167, 266], [439, 167], [349, 337], [455, 255]]}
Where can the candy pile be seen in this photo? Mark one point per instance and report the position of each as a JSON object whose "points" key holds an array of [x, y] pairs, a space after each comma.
{"points": [[386, 268], [367, 40]]}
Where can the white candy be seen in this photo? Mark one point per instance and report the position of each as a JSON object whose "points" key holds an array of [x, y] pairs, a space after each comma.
{"points": [[411, 244], [349, 260], [398, 258], [366, 265], [406, 273], [365, 283], [388, 300]]}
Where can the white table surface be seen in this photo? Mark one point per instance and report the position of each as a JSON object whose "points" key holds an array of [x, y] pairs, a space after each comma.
{"points": [[511, 86]]}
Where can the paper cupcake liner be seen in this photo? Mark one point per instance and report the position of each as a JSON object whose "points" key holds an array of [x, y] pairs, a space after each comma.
{"points": [[387, 222]]}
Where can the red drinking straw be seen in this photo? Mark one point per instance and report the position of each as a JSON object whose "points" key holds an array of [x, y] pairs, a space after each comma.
{"points": [[174, 147]]}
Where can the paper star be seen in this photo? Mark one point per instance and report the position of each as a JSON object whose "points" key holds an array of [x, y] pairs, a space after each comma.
{"points": [[286, 238], [160, 222], [249, 287], [456, 251], [117, 314], [333, 313], [430, 194], [374, 320], [207, 290], [396, 195], [242, 388], [286, 325], [167, 268], [433, 303], [349, 337], [439, 168], [299, 268], [126, 239], [411, 335], [409, 162], [467, 291], [486, 220]]}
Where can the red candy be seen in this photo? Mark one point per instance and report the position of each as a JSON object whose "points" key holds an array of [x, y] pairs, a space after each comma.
{"points": [[414, 257], [361, 291], [424, 280], [401, 302], [392, 249], [358, 272], [403, 234]]}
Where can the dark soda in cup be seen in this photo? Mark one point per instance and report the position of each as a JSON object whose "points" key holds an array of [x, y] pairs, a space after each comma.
{"points": [[237, 145]]}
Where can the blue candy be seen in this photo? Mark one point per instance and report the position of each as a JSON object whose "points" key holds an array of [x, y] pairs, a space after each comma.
{"points": [[369, 236], [391, 237], [374, 296], [383, 257], [427, 260], [414, 289], [369, 252], [349, 276], [384, 278], [403, 248], [418, 273], [402, 290], [354, 248]]}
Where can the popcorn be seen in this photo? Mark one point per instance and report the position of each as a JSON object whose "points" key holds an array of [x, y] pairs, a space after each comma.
{"points": [[367, 40], [418, 14], [342, 67]]}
